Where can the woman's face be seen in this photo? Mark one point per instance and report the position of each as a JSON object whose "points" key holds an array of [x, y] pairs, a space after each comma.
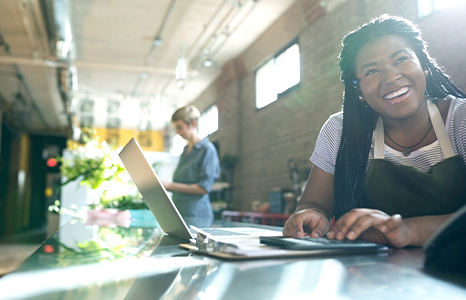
{"points": [[391, 78], [183, 129]]}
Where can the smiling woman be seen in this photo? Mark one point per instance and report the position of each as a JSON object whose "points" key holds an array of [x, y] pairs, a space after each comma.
{"points": [[379, 168], [389, 73]]}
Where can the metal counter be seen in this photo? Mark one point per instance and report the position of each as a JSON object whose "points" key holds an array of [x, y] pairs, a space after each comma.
{"points": [[95, 262]]}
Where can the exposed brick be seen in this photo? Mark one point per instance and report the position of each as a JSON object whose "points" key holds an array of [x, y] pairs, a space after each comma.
{"points": [[265, 139]]}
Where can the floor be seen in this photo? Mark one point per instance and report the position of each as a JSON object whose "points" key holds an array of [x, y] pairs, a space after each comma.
{"points": [[16, 248]]}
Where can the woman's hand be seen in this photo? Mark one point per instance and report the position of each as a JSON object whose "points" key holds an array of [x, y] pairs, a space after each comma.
{"points": [[192, 188], [166, 184], [306, 222], [371, 225]]}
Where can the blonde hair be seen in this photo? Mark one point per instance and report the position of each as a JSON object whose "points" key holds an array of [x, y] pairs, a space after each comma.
{"points": [[187, 114]]}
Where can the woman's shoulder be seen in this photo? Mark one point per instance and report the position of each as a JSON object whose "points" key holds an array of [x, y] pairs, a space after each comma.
{"points": [[456, 108], [207, 145], [332, 128], [337, 116], [451, 101], [334, 121]]}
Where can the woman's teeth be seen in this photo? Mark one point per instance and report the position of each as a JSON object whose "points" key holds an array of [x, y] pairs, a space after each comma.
{"points": [[397, 93]]}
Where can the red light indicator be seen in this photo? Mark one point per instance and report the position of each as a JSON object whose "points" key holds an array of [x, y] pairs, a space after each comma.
{"points": [[52, 162], [48, 249]]}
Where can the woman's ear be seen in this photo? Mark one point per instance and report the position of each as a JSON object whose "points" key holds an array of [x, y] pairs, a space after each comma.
{"points": [[356, 86], [361, 96], [194, 123]]}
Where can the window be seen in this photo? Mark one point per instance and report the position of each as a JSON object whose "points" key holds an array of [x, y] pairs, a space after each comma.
{"points": [[177, 146], [208, 123], [277, 76], [426, 7]]}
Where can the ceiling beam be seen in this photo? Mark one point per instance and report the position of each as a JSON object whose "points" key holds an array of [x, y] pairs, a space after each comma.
{"points": [[91, 65]]}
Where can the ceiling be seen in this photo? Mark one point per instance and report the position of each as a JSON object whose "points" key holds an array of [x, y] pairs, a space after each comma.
{"points": [[112, 63]]}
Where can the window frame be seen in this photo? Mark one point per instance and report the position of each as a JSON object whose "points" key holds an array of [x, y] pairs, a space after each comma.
{"points": [[273, 58], [206, 111], [431, 7]]}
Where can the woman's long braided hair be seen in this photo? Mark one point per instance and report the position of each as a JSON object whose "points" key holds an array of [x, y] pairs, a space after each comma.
{"points": [[359, 119]]}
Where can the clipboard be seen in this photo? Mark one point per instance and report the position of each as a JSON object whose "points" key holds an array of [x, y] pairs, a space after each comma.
{"points": [[252, 249]]}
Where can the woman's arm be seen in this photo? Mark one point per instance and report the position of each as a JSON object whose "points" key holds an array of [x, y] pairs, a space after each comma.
{"points": [[192, 188], [208, 172], [376, 226], [315, 208], [318, 192], [422, 228]]}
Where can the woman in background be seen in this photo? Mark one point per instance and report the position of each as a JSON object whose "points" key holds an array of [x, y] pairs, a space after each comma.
{"points": [[196, 172], [391, 166]]}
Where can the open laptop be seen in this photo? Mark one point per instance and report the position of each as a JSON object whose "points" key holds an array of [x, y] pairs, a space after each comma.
{"points": [[163, 208]]}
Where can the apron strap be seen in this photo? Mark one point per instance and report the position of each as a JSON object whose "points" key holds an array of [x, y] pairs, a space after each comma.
{"points": [[379, 151], [440, 130], [437, 124]]}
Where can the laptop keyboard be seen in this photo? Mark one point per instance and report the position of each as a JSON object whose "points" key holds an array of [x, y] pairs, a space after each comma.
{"points": [[219, 232]]}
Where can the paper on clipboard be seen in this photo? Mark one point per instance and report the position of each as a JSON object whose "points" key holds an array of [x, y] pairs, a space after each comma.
{"points": [[253, 249]]}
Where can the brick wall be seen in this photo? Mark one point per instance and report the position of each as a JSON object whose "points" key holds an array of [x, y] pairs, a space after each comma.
{"points": [[265, 139]]}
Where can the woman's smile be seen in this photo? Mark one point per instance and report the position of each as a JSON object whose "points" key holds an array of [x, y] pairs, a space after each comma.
{"points": [[396, 94], [391, 78]]}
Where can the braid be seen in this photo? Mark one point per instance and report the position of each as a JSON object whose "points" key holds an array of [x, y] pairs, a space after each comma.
{"points": [[356, 138], [359, 119], [439, 84]]}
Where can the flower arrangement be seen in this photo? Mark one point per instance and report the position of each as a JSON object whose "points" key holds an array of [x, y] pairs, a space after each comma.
{"points": [[95, 162], [98, 167], [121, 203]]}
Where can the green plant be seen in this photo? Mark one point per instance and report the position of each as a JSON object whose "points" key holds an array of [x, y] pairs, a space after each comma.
{"points": [[95, 163], [121, 203]]}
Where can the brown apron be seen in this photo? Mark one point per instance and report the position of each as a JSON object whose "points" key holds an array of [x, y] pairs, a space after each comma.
{"points": [[404, 190]]}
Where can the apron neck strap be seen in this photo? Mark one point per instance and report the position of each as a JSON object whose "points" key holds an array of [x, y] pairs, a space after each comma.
{"points": [[437, 124]]}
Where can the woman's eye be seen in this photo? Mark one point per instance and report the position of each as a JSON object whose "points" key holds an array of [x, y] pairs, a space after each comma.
{"points": [[401, 59], [369, 72]]}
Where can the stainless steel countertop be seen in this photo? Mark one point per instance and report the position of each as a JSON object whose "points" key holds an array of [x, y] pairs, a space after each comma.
{"points": [[90, 262]]}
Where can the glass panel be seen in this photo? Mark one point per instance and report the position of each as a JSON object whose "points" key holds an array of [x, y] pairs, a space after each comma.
{"points": [[178, 144], [426, 7], [265, 84], [439, 4], [277, 75], [287, 69], [208, 123]]}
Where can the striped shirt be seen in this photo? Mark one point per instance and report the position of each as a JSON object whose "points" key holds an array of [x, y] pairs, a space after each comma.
{"points": [[328, 142]]}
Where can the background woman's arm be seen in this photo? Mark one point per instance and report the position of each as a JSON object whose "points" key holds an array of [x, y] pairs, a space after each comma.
{"points": [[193, 188]]}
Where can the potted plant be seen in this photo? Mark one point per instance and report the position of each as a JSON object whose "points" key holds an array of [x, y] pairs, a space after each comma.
{"points": [[97, 166], [94, 164], [129, 207]]}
